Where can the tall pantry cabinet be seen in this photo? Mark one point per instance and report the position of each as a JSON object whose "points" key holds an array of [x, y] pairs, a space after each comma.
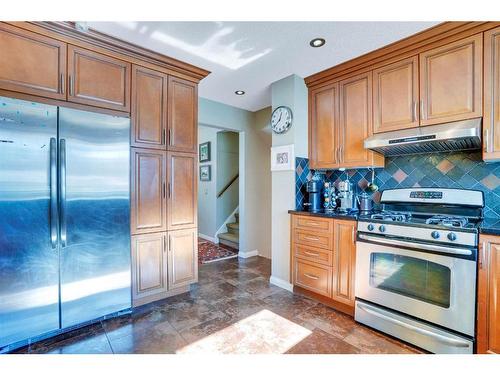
{"points": [[164, 181], [55, 63]]}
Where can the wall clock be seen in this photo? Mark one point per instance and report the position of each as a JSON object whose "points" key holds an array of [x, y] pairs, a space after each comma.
{"points": [[281, 119]]}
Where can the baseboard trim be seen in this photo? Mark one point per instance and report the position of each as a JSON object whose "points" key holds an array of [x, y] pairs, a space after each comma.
{"points": [[248, 254], [281, 283], [208, 238]]}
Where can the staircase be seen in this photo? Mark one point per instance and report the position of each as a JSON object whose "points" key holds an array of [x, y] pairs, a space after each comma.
{"points": [[232, 237]]}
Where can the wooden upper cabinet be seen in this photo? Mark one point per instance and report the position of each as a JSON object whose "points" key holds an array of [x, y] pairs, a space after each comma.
{"points": [[182, 193], [491, 120], [344, 232], [323, 128], [31, 63], [182, 115], [355, 124], [149, 268], [451, 81], [395, 96], [148, 195], [149, 108], [488, 300], [98, 80], [182, 257]]}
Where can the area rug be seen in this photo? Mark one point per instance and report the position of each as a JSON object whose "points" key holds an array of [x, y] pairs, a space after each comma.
{"points": [[209, 252]]}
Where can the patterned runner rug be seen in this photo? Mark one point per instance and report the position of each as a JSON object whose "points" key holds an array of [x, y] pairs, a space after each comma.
{"points": [[209, 252]]}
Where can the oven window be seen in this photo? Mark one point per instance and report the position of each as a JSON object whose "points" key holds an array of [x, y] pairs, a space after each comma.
{"points": [[411, 277]]}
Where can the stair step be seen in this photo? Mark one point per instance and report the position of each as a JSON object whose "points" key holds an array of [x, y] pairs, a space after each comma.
{"points": [[233, 228], [230, 239]]}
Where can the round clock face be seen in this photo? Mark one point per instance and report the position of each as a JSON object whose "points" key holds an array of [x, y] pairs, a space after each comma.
{"points": [[281, 120]]}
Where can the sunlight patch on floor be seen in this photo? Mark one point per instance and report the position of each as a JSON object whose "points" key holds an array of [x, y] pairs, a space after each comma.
{"points": [[261, 333]]}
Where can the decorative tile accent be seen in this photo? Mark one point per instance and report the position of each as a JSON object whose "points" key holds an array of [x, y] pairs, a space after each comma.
{"points": [[460, 170], [444, 166]]}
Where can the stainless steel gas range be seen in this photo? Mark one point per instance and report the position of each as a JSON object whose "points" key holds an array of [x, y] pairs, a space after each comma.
{"points": [[416, 267]]}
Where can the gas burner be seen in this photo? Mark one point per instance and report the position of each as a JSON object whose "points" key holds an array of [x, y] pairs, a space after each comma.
{"points": [[392, 216], [448, 221]]}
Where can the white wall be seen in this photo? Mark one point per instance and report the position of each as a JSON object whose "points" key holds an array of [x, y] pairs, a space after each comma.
{"points": [[207, 190], [292, 92], [227, 168], [254, 143], [258, 184]]}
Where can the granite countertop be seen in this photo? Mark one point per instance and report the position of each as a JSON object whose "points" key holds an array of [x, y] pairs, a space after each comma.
{"points": [[490, 226], [333, 215]]}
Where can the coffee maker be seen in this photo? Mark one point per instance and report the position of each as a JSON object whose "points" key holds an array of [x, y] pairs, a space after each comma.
{"points": [[346, 197], [315, 190]]}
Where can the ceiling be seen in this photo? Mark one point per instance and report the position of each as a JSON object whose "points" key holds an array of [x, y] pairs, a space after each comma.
{"points": [[250, 56]]}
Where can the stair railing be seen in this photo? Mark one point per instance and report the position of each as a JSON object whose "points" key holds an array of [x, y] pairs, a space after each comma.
{"points": [[228, 185]]}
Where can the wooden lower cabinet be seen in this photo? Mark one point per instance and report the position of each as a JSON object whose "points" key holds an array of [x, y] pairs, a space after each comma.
{"points": [[149, 268], [163, 264], [344, 238], [313, 276], [488, 299], [182, 257], [323, 259]]}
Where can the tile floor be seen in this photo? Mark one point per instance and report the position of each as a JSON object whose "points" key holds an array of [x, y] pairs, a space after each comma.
{"points": [[233, 309]]}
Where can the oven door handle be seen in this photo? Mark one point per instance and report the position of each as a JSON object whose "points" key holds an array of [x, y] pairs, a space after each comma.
{"points": [[416, 245], [445, 340]]}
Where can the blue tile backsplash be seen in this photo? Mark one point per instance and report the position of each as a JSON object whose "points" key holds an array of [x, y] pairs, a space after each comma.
{"points": [[462, 170]]}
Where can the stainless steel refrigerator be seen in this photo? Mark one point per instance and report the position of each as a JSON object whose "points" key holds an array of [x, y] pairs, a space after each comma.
{"points": [[64, 218]]}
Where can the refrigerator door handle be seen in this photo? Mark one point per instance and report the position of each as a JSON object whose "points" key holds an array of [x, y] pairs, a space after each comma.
{"points": [[62, 189], [53, 192]]}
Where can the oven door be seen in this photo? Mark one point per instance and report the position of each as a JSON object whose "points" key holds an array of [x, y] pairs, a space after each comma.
{"points": [[431, 286]]}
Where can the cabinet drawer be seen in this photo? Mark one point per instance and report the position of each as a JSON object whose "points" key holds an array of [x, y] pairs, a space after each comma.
{"points": [[314, 223], [321, 256], [314, 277], [313, 238]]}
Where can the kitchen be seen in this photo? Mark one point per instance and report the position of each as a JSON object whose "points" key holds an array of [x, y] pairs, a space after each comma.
{"points": [[383, 193], [406, 264]]}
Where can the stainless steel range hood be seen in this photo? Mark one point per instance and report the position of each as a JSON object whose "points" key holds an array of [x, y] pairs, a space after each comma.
{"points": [[454, 136]]}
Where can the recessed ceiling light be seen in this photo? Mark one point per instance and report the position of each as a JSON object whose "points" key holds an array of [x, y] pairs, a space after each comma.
{"points": [[239, 92], [317, 42]]}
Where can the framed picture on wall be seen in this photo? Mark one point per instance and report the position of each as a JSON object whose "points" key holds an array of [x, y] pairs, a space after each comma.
{"points": [[205, 173], [282, 158], [204, 152]]}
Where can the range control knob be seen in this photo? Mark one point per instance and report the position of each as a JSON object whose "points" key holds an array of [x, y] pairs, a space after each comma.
{"points": [[381, 228], [371, 227], [435, 235], [452, 236]]}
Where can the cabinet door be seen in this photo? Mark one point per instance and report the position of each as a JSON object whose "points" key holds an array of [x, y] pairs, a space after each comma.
{"points": [[395, 96], [149, 268], [98, 80], [182, 257], [182, 115], [344, 261], [450, 81], [31, 63], [182, 193], [148, 191], [323, 127], [488, 329], [149, 108], [491, 124], [356, 122]]}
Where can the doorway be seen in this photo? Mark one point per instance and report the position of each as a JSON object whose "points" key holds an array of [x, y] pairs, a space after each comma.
{"points": [[218, 194]]}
